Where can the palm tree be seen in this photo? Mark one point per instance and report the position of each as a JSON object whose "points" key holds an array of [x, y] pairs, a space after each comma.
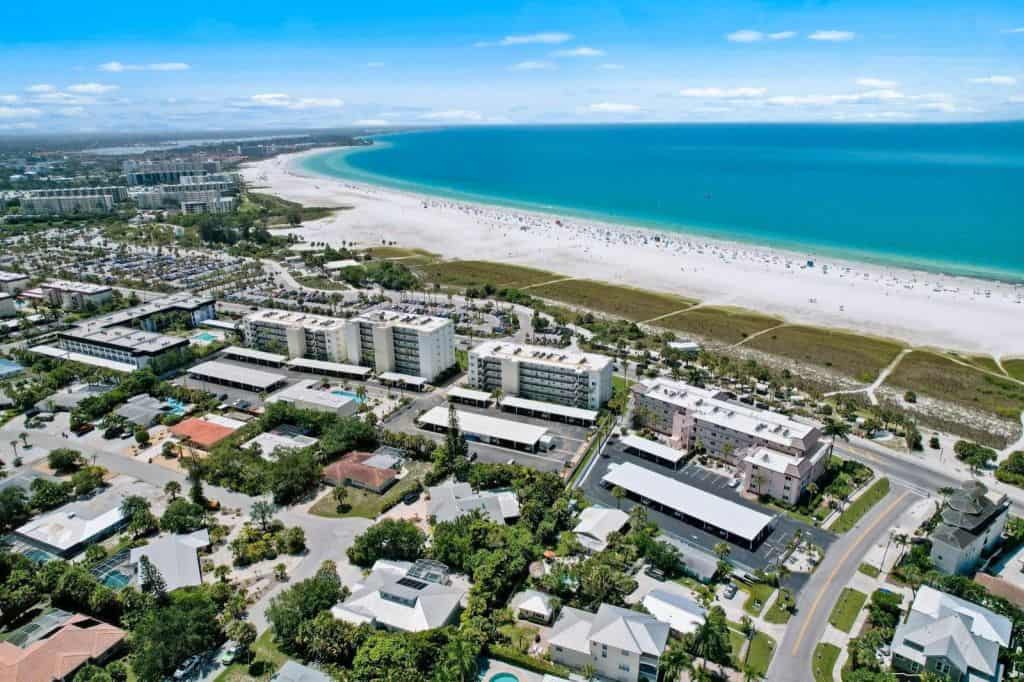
{"points": [[14, 446], [172, 489], [835, 429], [675, 661], [618, 493]]}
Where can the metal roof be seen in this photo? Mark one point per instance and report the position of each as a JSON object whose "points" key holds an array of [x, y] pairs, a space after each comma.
{"points": [[551, 408], [253, 354], [653, 448], [324, 366], [245, 376], [482, 425], [717, 511]]}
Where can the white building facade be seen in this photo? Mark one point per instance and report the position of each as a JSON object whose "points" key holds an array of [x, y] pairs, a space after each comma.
{"points": [[393, 341], [549, 375]]}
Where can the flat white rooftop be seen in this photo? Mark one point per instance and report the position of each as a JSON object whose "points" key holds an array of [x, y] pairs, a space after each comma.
{"points": [[542, 355], [243, 376], [463, 393], [482, 425], [517, 403], [220, 324], [288, 318], [61, 354], [717, 511], [399, 378], [75, 287], [127, 339], [329, 367], [653, 448], [252, 354], [396, 318], [8, 276], [304, 391]]}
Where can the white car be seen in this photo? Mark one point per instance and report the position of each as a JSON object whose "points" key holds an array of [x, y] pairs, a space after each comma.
{"points": [[734, 482]]}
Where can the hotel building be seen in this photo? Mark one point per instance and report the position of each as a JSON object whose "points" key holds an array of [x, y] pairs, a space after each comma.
{"points": [[84, 200], [549, 375], [194, 194], [777, 455]]}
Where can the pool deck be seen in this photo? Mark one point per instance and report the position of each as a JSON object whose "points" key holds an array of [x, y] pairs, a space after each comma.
{"points": [[491, 667]]}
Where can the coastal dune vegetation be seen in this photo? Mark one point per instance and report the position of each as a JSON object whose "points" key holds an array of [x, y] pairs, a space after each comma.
{"points": [[636, 305], [854, 355]]}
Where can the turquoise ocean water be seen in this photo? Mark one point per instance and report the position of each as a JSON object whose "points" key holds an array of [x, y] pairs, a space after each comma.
{"points": [[941, 197]]}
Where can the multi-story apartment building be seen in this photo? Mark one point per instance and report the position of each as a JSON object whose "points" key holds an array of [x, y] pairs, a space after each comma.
{"points": [[166, 171], [125, 345], [194, 194], [973, 521], [551, 375], [393, 341], [84, 200], [70, 295], [13, 282], [207, 202], [7, 307], [777, 455], [297, 335]]}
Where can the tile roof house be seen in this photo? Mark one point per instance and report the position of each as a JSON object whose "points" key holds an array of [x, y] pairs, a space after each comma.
{"points": [[621, 645], [201, 433], [973, 520], [176, 557], [452, 500], [398, 595], [596, 524], [78, 641], [952, 637], [362, 470]]}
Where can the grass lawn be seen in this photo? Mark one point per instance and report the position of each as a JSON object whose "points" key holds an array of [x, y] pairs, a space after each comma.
{"points": [[758, 597], [1015, 368], [825, 657], [322, 283], [471, 273], [846, 609], [859, 507], [397, 252], [869, 570], [520, 635], [621, 301], [279, 209], [736, 639], [762, 647], [985, 362], [367, 504], [266, 659], [722, 324], [933, 375], [778, 614], [853, 355]]}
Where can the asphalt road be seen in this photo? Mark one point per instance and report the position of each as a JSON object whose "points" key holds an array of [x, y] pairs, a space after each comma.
{"points": [[792, 661]]}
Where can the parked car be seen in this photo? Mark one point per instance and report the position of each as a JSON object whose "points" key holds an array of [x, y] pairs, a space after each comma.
{"points": [[229, 654], [655, 573], [186, 669], [734, 482], [729, 590], [83, 428], [410, 498]]}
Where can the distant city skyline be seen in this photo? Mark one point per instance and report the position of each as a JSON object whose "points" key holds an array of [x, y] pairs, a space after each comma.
{"points": [[234, 66]]}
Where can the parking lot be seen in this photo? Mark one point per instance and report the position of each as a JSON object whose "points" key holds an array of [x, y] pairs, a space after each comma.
{"points": [[568, 438], [764, 557]]}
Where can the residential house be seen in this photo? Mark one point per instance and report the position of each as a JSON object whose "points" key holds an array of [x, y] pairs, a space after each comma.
{"points": [[58, 653], [596, 524], [534, 606], [621, 645], [451, 500], [973, 520]]}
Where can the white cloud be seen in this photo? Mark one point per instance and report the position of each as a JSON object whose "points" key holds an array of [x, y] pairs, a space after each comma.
{"points": [[72, 112], [452, 115], [828, 100], [876, 116], [19, 112], [546, 38], [995, 80], [22, 125], [833, 36], [612, 67], [946, 107], [580, 52], [1016, 99], [531, 66], [41, 88], [722, 93], [372, 122], [374, 65], [746, 35], [876, 83], [120, 67], [613, 108], [279, 100], [91, 88], [1019, 29], [8, 99]]}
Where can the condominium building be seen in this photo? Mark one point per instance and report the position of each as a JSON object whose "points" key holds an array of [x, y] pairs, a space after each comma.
{"points": [[206, 202], [297, 335], [84, 200], [159, 313], [166, 171], [393, 341], [70, 295], [13, 282], [777, 456], [558, 376], [124, 345], [7, 307], [194, 194]]}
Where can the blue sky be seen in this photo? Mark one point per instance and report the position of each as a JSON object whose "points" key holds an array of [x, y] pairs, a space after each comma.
{"points": [[191, 65]]}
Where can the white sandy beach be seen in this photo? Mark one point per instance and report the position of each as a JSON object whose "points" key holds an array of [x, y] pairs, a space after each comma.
{"points": [[922, 308]]}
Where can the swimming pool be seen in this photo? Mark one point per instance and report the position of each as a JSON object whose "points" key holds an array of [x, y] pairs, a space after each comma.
{"points": [[115, 580], [348, 394], [8, 368], [177, 407], [205, 337], [504, 677]]}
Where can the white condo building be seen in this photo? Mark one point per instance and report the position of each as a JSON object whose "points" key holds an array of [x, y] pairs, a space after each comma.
{"points": [[13, 282], [84, 200], [778, 456], [559, 376], [387, 341], [70, 295]]}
